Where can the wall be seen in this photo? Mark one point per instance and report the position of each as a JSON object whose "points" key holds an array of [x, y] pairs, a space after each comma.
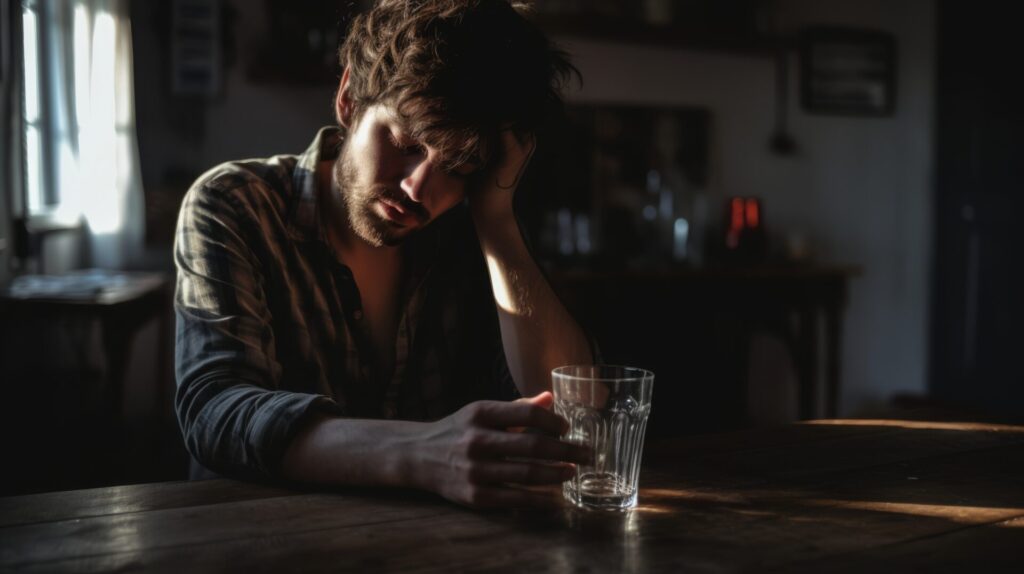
{"points": [[859, 188], [189, 134]]}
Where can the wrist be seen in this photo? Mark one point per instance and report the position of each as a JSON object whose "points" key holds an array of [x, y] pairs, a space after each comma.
{"points": [[364, 452], [406, 468], [494, 224]]}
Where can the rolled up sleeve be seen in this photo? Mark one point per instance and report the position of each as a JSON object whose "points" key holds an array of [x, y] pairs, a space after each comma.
{"points": [[234, 418]]}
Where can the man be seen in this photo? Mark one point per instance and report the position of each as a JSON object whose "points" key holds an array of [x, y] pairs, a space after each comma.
{"points": [[344, 314]]}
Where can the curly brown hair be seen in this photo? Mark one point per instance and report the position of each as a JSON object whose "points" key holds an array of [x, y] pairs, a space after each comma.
{"points": [[457, 72]]}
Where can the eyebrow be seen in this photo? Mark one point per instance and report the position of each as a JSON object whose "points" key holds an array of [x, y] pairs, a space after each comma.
{"points": [[402, 125]]}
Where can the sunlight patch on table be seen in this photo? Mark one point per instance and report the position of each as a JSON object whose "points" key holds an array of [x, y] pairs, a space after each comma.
{"points": [[695, 495], [927, 425], [956, 513]]}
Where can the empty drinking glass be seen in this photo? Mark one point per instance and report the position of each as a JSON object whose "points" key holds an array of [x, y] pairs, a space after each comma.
{"points": [[607, 408]]}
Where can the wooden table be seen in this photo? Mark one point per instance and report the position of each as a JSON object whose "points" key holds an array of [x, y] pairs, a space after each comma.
{"points": [[839, 495]]}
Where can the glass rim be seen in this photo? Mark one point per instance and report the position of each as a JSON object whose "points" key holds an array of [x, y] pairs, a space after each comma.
{"points": [[641, 373]]}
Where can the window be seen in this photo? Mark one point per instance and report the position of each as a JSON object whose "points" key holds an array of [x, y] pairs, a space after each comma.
{"points": [[32, 105], [79, 126], [50, 156]]}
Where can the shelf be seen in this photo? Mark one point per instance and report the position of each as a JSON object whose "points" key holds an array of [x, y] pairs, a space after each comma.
{"points": [[727, 41]]}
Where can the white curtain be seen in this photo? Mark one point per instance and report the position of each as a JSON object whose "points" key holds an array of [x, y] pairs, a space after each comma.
{"points": [[96, 148]]}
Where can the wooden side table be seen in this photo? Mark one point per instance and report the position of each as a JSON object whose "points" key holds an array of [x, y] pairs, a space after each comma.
{"points": [[129, 302], [662, 309]]}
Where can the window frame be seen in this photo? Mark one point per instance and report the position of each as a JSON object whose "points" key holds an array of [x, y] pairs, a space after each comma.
{"points": [[42, 201]]}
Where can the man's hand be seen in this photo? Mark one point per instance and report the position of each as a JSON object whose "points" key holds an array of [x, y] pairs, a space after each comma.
{"points": [[497, 186], [488, 454], [475, 458]]}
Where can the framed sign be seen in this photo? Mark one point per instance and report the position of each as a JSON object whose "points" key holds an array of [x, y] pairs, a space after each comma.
{"points": [[848, 72], [195, 47]]}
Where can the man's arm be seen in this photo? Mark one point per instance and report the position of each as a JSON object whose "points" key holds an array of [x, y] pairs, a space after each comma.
{"points": [[466, 457], [537, 332]]}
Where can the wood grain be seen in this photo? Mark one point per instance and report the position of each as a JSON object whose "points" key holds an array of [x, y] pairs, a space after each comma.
{"points": [[833, 496], [54, 506]]}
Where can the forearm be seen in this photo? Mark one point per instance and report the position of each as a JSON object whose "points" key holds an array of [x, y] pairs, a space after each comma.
{"points": [[537, 332], [468, 457], [356, 452], [245, 431]]}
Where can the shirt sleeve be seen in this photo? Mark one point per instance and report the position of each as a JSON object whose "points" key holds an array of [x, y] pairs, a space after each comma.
{"points": [[234, 419]]}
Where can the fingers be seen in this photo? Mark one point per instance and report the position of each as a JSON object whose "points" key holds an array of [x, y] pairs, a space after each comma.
{"points": [[513, 137], [518, 152], [488, 467], [525, 144], [502, 415], [545, 400], [497, 444]]}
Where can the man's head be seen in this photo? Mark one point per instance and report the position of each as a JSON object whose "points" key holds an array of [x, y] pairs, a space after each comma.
{"points": [[428, 87]]}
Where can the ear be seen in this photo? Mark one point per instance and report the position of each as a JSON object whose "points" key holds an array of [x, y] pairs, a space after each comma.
{"points": [[343, 105]]}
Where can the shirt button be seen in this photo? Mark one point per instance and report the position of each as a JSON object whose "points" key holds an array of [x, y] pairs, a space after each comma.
{"points": [[358, 315]]}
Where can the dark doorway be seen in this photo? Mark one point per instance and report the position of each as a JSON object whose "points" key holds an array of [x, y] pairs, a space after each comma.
{"points": [[978, 296]]}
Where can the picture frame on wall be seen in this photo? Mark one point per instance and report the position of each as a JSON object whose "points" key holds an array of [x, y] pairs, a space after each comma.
{"points": [[300, 44], [847, 71], [196, 65]]}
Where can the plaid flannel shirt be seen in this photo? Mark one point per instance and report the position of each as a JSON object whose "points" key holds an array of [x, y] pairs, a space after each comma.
{"points": [[269, 320]]}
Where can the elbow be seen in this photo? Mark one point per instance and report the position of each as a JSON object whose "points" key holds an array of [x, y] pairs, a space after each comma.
{"points": [[206, 420], [195, 431]]}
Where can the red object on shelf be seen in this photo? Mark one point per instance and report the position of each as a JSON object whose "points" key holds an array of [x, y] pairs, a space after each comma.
{"points": [[753, 209], [745, 237]]}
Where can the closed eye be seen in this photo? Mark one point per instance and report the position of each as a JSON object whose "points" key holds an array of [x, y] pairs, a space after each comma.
{"points": [[405, 147]]}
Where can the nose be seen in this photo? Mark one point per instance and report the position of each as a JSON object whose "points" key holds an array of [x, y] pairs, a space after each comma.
{"points": [[417, 180]]}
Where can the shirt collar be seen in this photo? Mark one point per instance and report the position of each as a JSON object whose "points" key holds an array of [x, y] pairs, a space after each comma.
{"points": [[304, 219]]}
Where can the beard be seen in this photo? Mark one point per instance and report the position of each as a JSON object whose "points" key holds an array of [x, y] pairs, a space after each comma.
{"points": [[359, 199]]}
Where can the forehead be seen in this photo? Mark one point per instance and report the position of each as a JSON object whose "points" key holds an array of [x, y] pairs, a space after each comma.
{"points": [[387, 115]]}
